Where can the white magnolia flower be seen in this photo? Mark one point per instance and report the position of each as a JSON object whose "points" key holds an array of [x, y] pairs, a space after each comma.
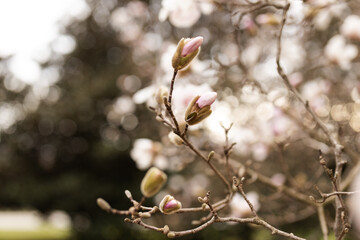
{"points": [[339, 52], [147, 153], [324, 16], [350, 27]]}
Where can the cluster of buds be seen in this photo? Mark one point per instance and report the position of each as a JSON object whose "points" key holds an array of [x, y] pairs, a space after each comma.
{"points": [[199, 108], [169, 205], [152, 182], [186, 51]]}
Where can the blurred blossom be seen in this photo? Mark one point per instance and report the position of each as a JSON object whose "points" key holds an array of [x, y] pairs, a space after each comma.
{"points": [[110, 134], [350, 27], [129, 122], [243, 138], [292, 54], [144, 95], [268, 19], [184, 14], [325, 14], [295, 78], [198, 185], [281, 126], [338, 52], [266, 71], [250, 94], [25, 69], [240, 208], [177, 183], [228, 54], [166, 59], [64, 44], [10, 113], [265, 111], [278, 179], [122, 106], [246, 23], [147, 153], [221, 114], [260, 151], [152, 41], [339, 112], [321, 105], [250, 55], [314, 88], [355, 121], [129, 83], [355, 94], [128, 21]]}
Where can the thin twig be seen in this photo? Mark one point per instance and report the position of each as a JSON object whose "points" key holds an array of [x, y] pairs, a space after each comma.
{"points": [[239, 185], [340, 224], [172, 86], [258, 221], [198, 153]]}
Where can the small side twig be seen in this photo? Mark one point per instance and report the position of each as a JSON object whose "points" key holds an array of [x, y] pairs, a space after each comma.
{"points": [[239, 185]]}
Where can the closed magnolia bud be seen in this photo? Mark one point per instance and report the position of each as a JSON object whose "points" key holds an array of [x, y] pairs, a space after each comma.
{"points": [[160, 94], [175, 139], [128, 194], [152, 182], [169, 205], [166, 229], [186, 51], [104, 205], [171, 235], [199, 108]]}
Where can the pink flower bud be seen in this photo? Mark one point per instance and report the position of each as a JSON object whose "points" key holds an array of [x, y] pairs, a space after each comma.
{"points": [[186, 51], [206, 99], [169, 205], [191, 45]]}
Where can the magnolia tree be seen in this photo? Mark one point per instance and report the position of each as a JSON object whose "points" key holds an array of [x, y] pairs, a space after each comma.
{"points": [[261, 128]]}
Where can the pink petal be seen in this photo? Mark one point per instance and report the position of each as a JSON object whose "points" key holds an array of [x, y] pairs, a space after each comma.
{"points": [[206, 99], [170, 204], [192, 46]]}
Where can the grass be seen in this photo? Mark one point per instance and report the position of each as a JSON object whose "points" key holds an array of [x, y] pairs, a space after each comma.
{"points": [[40, 234]]}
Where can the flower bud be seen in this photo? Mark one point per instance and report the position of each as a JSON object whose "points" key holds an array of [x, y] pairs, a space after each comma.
{"points": [[128, 194], [160, 94], [175, 139], [169, 205], [152, 182], [186, 51], [171, 235], [199, 108], [104, 205]]}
